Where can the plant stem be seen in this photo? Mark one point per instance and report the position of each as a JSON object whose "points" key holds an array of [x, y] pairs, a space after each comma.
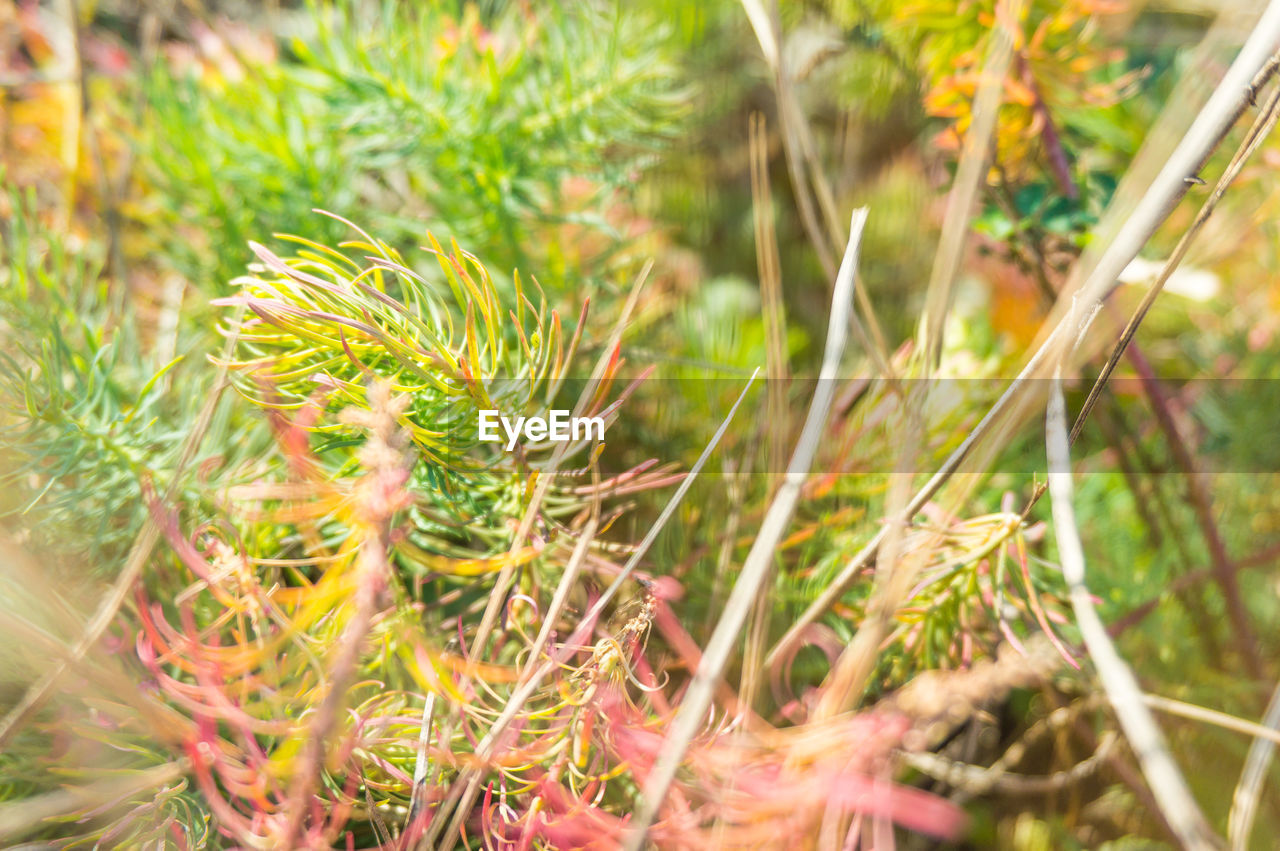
{"points": [[755, 569]]}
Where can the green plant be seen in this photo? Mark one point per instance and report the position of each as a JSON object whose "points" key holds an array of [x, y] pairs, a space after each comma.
{"points": [[508, 134], [88, 411]]}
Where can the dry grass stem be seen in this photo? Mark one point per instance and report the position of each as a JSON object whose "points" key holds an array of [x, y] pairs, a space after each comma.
{"points": [[1127, 700], [756, 568]]}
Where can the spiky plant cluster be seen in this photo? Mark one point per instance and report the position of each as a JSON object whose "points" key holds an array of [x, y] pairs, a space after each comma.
{"points": [[88, 409], [314, 699], [322, 326], [977, 588], [497, 130]]}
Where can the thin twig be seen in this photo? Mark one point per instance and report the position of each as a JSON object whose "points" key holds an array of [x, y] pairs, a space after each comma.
{"points": [[769, 267], [976, 780], [107, 188], [1202, 507], [567, 581], [1228, 102], [894, 574], [837, 587], [1211, 716], [970, 177], [774, 316], [73, 112], [1244, 803], [1055, 721], [418, 793], [386, 446], [467, 791], [1127, 700], [690, 716], [812, 193]]}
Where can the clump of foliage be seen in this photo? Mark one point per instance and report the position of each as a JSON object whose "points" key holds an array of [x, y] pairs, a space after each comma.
{"points": [[89, 412], [498, 131]]}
